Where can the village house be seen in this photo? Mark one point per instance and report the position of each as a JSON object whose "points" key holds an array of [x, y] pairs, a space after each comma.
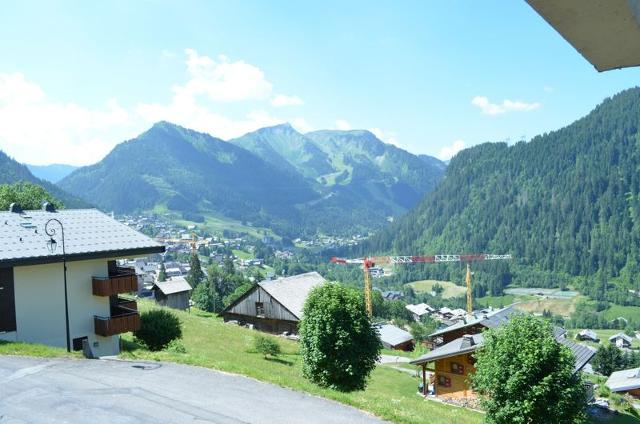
{"points": [[625, 381], [420, 310], [393, 337], [587, 335], [173, 293], [452, 359], [274, 306], [621, 340], [89, 314]]}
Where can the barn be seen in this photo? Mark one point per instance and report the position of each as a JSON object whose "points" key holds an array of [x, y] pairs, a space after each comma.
{"points": [[274, 306], [174, 293]]}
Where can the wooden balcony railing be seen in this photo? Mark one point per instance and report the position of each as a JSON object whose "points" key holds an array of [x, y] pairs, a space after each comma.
{"points": [[123, 281], [122, 320]]}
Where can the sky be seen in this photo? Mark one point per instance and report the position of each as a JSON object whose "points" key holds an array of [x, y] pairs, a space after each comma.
{"points": [[432, 77]]}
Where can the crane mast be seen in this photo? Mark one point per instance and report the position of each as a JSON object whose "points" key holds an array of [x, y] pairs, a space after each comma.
{"points": [[369, 262]]}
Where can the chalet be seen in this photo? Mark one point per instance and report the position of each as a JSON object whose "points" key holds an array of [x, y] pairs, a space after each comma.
{"points": [[420, 310], [173, 293], [274, 306], [625, 381], [79, 308], [621, 340], [453, 359], [393, 337], [588, 335]]}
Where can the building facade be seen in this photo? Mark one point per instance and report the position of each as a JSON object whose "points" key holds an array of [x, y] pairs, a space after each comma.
{"points": [[32, 279]]}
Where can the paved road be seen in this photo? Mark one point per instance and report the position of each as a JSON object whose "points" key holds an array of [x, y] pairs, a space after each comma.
{"points": [[114, 392]]}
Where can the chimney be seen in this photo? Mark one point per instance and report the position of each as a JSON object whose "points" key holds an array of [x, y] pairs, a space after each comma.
{"points": [[48, 207], [467, 341], [15, 208]]}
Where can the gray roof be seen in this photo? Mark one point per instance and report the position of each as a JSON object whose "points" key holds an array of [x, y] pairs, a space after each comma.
{"points": [[621, 381], [582, 353], [455, 347], [491, 320], [392, 335], [89, 234], [173, 285], [621, 336], [292, 292]]}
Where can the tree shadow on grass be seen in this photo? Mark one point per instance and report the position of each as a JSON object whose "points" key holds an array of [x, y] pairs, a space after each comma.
{"points": [[279, 361]]}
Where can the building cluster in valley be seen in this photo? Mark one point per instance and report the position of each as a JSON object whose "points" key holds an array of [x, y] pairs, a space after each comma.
{"points": [[108, 260]]}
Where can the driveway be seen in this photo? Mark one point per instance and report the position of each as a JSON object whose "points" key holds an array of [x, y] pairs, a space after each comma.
{"points": [[111, 391]]}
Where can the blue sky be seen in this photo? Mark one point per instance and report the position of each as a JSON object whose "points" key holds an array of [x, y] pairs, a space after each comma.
{"points": [[78, 77]]}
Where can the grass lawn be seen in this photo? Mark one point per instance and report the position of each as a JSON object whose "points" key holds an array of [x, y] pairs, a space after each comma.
{"points": [[450, 289], [496, 301], [241, 254], [391, 394], [628, 312], [41, 351]]}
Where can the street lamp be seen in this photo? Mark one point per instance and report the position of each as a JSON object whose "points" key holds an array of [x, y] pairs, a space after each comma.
{"points": [[52, 245]]}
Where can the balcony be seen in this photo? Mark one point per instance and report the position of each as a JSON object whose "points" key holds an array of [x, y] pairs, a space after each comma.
{"points": [[124, 318], [122, 280]]}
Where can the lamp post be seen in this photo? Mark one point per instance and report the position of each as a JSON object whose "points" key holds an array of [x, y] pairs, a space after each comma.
{"points": [[52, 245]]}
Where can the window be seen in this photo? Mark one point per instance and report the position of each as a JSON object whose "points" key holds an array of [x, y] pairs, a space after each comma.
{"points": [[259, 309], [470, 359], [77, 343], [444, 381], [457, 368]]}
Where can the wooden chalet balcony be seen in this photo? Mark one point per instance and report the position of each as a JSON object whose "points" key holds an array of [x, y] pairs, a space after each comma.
{"points": [[124, 318], [123, 280]]}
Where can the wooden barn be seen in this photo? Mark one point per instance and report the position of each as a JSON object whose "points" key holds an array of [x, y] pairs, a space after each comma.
{"points": [[174, 293], [274, 306]]}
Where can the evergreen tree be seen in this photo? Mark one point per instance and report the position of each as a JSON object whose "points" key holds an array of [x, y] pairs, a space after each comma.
{"points": [[162, 274], [195, 275]]}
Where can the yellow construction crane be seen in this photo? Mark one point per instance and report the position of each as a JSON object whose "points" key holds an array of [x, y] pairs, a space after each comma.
{"points": [[370, 262]]}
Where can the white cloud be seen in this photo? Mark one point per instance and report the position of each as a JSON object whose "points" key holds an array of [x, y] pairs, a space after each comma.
{"points": [[222, 80], [548, 88], [37, 130], [343, 125], [448, 152], [387, 137], [283, 100], [301, 125], [507, 105]]}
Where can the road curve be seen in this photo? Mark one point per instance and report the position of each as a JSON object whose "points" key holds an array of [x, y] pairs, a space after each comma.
{"points": [[34, 390]]}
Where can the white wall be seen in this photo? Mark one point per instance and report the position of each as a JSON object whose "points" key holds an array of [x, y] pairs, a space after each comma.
{"points": [[39, 294]]}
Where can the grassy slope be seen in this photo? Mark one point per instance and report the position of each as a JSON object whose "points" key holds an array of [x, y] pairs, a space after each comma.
{"points": [[211, 343], [37, 350], [450, 289]]}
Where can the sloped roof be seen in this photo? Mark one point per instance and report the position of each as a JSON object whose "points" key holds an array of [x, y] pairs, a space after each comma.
{"points": [[173, 285], [89, 234], [292, 292], [491, 320], [621, 336], [419, 309], [621, 381], [453, 348], [582, 353], [392, 335], [605, 32]]}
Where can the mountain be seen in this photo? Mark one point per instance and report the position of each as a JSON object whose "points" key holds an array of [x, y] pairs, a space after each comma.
{"points": [[12, 172], [361, 180], [52, 173], [187, 171], [567, 202], [275, 177]]}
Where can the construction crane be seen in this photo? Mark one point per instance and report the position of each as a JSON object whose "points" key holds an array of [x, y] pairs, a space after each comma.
{"points": [[369, 262]]}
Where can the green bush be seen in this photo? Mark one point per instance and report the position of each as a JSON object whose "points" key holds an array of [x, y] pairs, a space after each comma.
{"points": [[604, 391], [176, 346], [338, 344], [157, 329], [266, 345]]}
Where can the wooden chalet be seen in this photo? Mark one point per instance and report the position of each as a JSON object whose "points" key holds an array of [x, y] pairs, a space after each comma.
{"points": [[274, 306], [452, 361]]}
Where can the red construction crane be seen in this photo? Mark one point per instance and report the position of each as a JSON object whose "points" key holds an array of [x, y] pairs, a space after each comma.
{"points": [[370, 262]]}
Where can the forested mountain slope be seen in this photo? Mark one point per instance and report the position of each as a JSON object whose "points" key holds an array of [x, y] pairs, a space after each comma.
{"points": [[567, 201], [13, 172]]}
